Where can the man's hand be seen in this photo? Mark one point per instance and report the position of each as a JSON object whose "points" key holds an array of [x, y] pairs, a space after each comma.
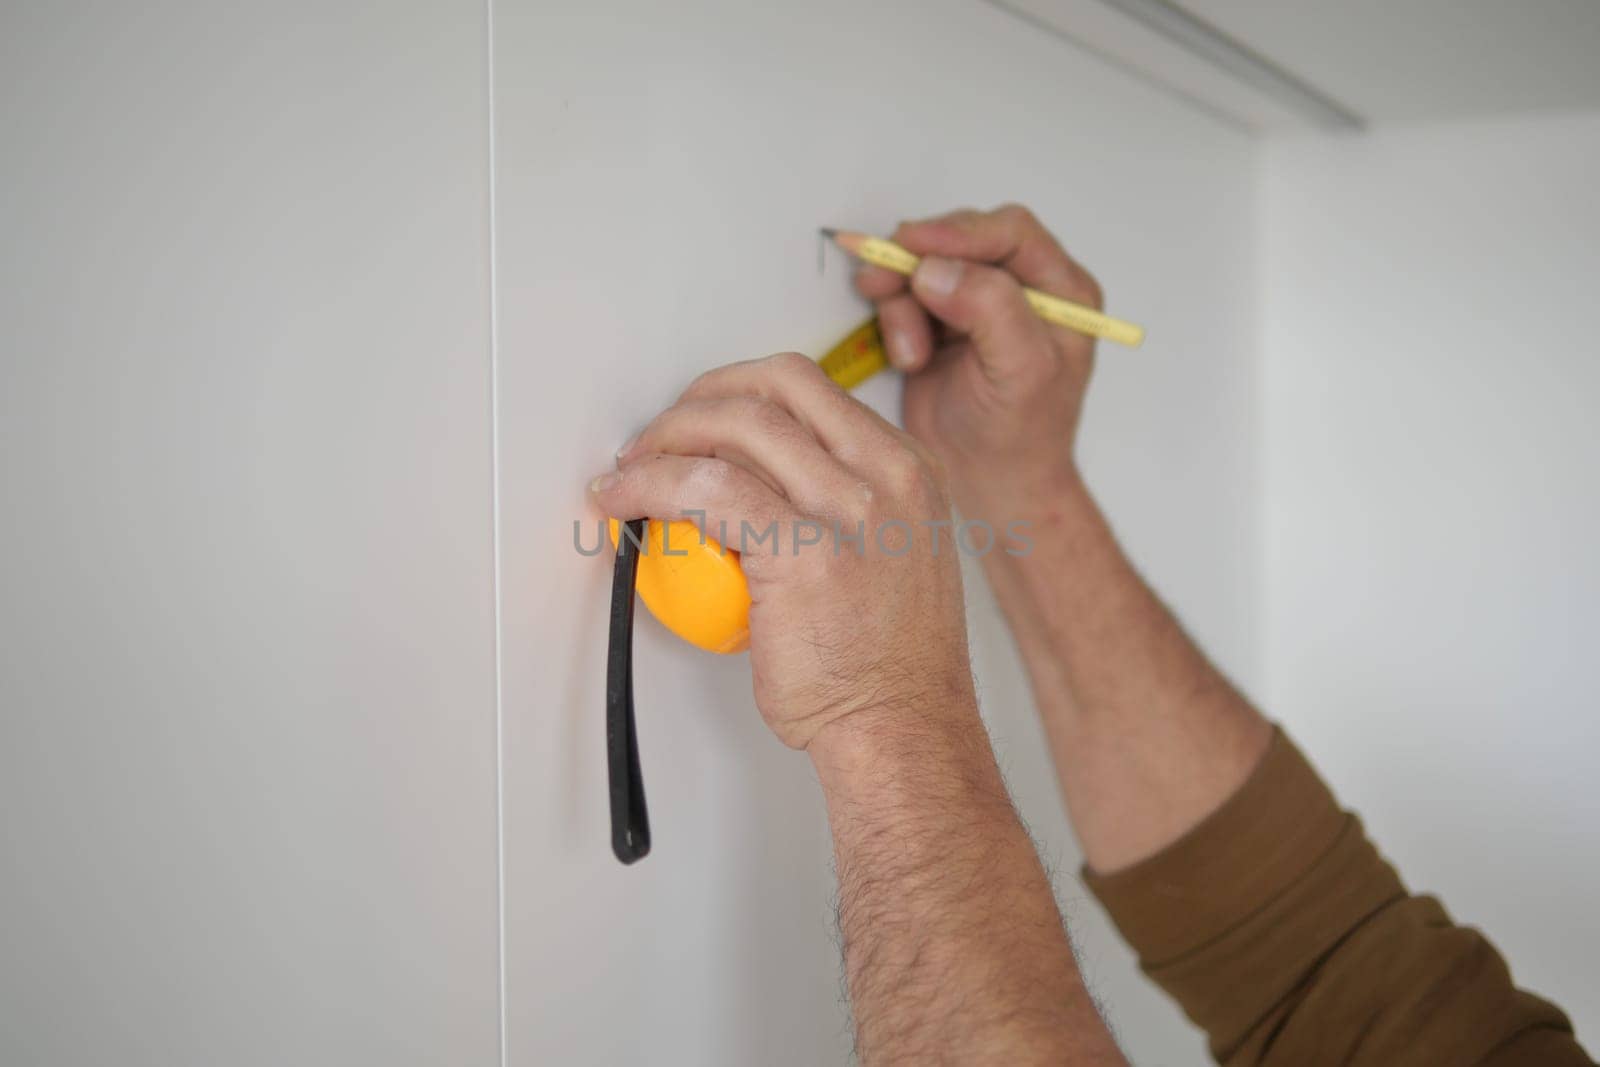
{"points": [[993, 389], [954, 949], [1147, 737], [855, 598]]}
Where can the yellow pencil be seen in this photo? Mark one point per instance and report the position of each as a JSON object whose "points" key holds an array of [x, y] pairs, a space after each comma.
{"points": [[1053, 309]]}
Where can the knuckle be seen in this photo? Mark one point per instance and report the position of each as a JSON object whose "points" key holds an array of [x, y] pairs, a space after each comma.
{"points": [[910, 478], [708, 476], [1018, 215], [793, 365]]}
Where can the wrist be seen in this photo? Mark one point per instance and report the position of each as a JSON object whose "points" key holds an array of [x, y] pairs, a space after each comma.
{"points": [[895, 747], [1051, 512], [1001, 496], [1066, 551]]}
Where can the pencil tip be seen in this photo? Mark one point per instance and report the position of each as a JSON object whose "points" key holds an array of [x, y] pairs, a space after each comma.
{"points": [[830, 234]]}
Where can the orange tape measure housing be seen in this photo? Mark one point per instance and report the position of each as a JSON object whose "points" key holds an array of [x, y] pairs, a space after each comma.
{"points": [[694, 586]]}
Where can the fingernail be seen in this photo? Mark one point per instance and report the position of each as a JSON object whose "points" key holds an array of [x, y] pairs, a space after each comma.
{"points": [[899, 345], [604, 482], [937, 276], [627, 446]]}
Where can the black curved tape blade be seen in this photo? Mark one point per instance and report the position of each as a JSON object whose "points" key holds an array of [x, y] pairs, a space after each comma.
{"points": [[630, 820]]}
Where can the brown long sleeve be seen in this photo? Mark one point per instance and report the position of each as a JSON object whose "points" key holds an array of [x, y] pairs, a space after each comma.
{"points": [[1285, 936]]}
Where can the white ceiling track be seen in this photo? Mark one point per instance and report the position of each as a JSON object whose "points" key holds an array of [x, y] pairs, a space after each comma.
{"points": [[1184, 54]]}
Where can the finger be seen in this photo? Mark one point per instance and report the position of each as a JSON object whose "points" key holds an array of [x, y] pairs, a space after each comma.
{"points": [[852, 432], [757, 434], [877, 283], [718, 495], [1010, 237], [986, 303], [907, 333]]}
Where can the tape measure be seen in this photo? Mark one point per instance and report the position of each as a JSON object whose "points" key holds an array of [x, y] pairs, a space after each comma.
{"points": [[693, 585], [858, 357]]}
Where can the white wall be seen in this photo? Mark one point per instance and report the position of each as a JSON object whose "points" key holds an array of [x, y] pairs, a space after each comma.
{"points": [[246, 611], [662, 170], [248, 667], [1432, 511], [248, 742]]}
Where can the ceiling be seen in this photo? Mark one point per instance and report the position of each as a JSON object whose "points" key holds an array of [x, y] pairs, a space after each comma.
{"points": [[1310, 63]]}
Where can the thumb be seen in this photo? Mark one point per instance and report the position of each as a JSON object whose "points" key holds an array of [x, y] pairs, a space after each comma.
{"points": [[986, 304]]}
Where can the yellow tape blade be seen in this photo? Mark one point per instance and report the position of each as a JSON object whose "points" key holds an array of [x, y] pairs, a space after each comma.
{"points": [[858, 357]]}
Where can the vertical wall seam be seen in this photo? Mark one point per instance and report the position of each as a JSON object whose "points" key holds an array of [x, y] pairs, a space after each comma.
{"points": [[494, 496]]}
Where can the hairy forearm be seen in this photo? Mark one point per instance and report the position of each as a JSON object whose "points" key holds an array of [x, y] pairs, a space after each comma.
{"points": [[1148, 737], [954, 948]]}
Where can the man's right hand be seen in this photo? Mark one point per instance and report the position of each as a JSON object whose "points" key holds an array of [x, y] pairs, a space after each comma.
{"points": [[1148, 737], [991, 388]]}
